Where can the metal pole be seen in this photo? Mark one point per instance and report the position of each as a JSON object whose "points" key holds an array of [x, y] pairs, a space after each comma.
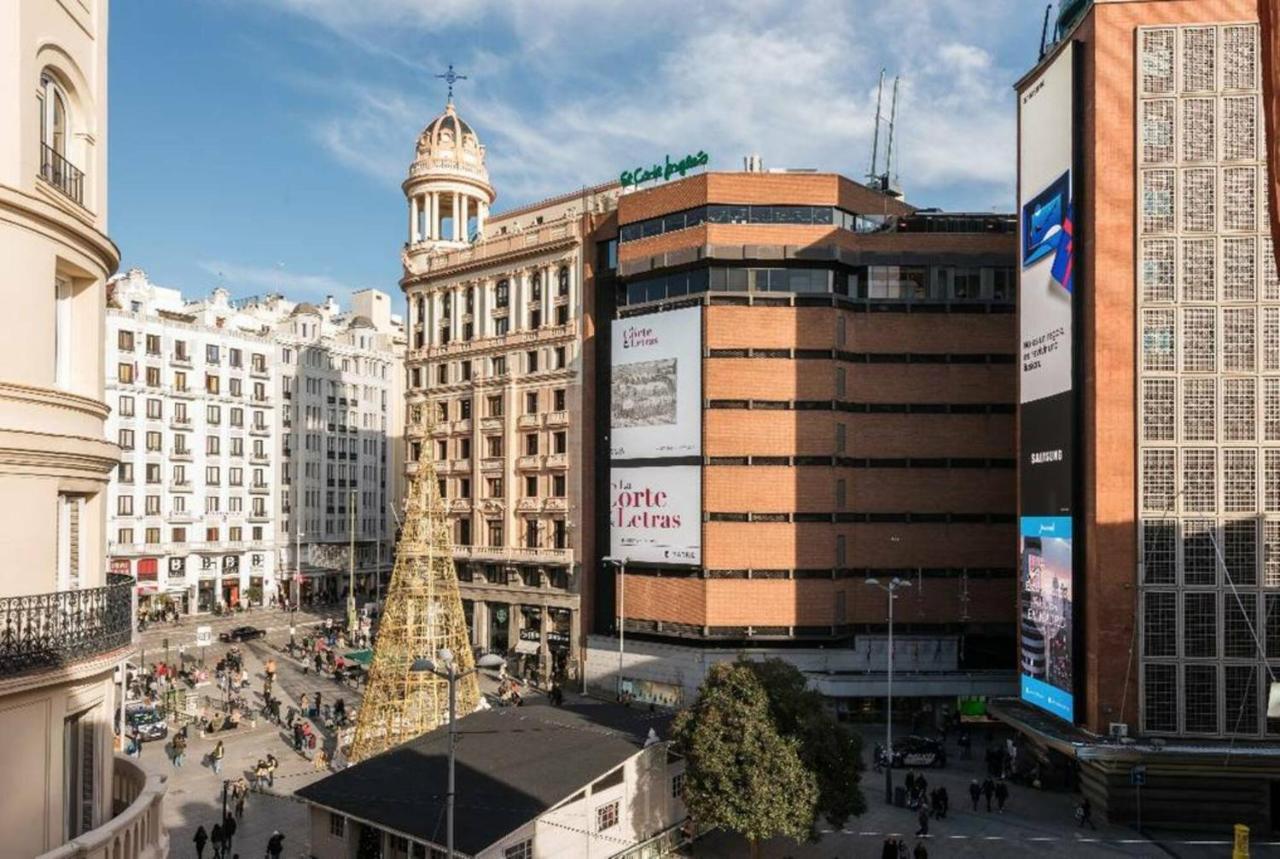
{"points": [[1138, 788], [351, 565], [124, 691], [888, 724], [453, 736], [622, 617]]}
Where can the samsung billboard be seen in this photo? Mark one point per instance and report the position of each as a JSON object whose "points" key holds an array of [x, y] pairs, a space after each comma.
{"points": [[1046, 297]]}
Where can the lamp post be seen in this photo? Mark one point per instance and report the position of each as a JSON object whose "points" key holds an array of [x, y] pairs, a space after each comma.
{"points": [[621, 565], [894, 584], [452, 675]]}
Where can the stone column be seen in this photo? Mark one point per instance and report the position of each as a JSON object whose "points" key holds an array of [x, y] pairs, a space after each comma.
{"points": [[482, 214], [432, 211], [457, 217], [548, 295], [514, 619], [413, 219], [544, 649]]}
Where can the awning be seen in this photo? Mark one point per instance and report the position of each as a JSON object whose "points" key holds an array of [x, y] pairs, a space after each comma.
{"points": [[362, 657], [523, 646]]}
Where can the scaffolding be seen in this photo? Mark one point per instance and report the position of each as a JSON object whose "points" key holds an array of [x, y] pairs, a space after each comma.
{"points": [[423, 615]]}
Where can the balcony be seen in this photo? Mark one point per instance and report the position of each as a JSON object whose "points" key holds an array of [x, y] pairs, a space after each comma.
{"points": [[557, 460], [180, 360], [184, 455], [61, 174], [136, 828], [557, 419], [528, 422], [529, 463], [528, 505], [260, 488], [492, 464], [260, 430], [259, 372], [557, 505], [180, 421], [462, 426], [45, 631], [515, 554], [260, 516], [491, 424], [180, 486], [259, 457]]}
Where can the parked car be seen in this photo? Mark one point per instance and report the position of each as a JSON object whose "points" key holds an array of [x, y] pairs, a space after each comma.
{"points": [[242, 633], [149, 721], [918, 752]]}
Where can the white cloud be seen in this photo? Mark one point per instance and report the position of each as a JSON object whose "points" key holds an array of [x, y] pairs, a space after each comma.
{"points": [[247, 279], [584, 90]]}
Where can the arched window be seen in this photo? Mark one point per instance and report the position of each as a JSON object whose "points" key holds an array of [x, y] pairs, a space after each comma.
{"points": [[420, 314], [563, 279], [537, 286], [54, 119]]}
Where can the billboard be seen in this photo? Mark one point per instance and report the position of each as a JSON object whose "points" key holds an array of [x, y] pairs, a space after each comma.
{"points": [[1046, 444], [656, 387], [655, 514], [1044, 606]]}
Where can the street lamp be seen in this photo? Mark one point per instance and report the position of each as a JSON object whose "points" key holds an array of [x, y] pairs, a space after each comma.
{"points": [[621, 564], [894, 584], [452, 675]]}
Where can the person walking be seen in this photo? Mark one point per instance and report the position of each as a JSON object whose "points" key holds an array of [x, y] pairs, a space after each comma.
{"points": [[179, 749], [272, 763], [921, 852], [910, 784], [215, 838], [922, 817], [228, 831], [965, 742], [889, 850], [317, 707], [975, 793], [275, 845], [988, 790], [201, 838], [217, 755], [1084, 813], [1002, 794], [241, 790]]}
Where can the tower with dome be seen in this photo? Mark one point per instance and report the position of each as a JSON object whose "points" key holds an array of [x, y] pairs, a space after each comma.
{"points": [[448, 186]]}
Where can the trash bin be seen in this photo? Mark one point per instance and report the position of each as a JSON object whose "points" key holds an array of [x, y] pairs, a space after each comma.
{"points": [[900, 796]]}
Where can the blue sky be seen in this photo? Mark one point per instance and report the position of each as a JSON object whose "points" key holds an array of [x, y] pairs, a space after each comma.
{"points": [[260, 144]]}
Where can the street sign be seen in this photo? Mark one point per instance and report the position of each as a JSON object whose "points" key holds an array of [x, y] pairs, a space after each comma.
{"points": [[204, 636], [1138, 776]]}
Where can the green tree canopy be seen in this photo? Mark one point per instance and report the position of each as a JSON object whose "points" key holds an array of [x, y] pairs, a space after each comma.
{"points": [[740, 773], [829, 749]]}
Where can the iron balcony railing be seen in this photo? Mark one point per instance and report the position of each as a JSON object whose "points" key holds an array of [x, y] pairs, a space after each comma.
{"points": [[43, 631], [61, 173]]}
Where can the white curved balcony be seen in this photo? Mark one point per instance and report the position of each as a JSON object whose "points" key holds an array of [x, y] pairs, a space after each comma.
{"points": [[136, 830]]}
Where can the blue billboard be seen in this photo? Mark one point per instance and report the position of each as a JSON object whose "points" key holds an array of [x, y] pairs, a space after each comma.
{"points": [[1044, 602]]}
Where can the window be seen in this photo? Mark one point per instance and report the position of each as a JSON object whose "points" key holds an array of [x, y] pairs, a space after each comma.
{"points": [[179, 381], [154, 441], [530, 485], [153, 377], [501, 326], [493, 407], [557, 400], [494, 445], [125, 472], [502, 293], [237, 417], [126, 406], [531, 403], [126, 439], [559, 441], [464, 487], [211, 355], [235, 388], [337, 825], [124, 505], [562, 279], [523, 850], [153, 472], [213, 445], [495, 487], [213, 475], [607, 816], [495, 532], [557, 485], [531, 361], [124, 535], [677, 786], [124, 372], [214, 414], [153, 344], [464, 448], [124, 341], [465, 407], [560, 358], [212, 383], [154, 409], [153, 509], [531, 444]]}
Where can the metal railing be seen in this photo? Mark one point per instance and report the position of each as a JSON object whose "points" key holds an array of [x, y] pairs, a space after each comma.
{"points": [[61, 173], [42, 631]]}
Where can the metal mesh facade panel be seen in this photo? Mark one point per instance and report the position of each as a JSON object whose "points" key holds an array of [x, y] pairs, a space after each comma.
{"points": [[1209, 475]]}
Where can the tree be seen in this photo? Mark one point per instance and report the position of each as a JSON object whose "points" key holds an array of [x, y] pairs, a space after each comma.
{"points": [[740, 773], [829, 749]]}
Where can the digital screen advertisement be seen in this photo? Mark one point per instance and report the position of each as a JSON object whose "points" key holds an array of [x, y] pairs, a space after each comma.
{"points": [[1046, 443]]}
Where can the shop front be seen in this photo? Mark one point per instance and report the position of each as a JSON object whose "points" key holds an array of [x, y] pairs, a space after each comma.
{"points": [[529, 646], [230, 581], [563, 666], [149, 590], [207, 586], [499, 623], [257, 575]]}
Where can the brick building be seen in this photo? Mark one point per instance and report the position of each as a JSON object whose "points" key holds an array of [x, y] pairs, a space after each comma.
{"points": [[1171, 471], [854, 400]]}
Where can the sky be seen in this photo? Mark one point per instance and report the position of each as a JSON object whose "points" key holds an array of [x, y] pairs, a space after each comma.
{"points": [[260, 144]]}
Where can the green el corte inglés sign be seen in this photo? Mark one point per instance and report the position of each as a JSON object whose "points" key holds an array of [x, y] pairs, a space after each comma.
{"points": [[666, 170]]}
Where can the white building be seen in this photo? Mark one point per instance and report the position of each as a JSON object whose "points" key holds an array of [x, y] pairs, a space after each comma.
{"points": [[341, 444], [247, 427], [192, 388]]}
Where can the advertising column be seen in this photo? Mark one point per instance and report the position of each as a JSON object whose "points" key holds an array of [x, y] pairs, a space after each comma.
{"points": [[655, 448], [1046, 395]]}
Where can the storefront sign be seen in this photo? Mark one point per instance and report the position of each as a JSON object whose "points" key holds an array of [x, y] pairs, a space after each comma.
{"points": [[530, 635], [121, 566], [256, 561], [204, 636], [669, 168], [177, 567], [231, 564], [560, 638]]}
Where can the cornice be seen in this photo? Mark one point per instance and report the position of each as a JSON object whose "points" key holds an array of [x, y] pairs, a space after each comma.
{"points": [[500, 261], [82, 670], [68, 225], [55, 398]]}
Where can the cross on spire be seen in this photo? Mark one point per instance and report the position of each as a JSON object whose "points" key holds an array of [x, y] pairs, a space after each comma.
{"points": [[450, 77]]}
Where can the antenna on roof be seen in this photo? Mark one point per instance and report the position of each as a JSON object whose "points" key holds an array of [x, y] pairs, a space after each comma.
{"points": [[875, 138], [1044, 31], [887, 184]]}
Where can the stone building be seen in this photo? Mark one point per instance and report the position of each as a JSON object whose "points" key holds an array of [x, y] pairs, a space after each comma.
{"points": [[67, 623], [500, 352]]}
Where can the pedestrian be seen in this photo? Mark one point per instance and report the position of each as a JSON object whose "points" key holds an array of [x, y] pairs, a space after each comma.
{"points": [[889, 850], [217, 755], [317, 708], [922, 817], [135, 734], [988, 790], [179, 749], [272, 763], [943, 802], [1002, 794], [297, 737], [228, 831], [922, 785], [242, 790], [975, 793], [319, 662], [910, 783], [965, 742], [321, 760], [260, 774], [215, 838], [275, 845], [200, 839], [1084, 813], [921, 852]]}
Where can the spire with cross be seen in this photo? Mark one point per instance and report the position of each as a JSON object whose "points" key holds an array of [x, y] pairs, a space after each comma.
{"points": [[451, 77]]}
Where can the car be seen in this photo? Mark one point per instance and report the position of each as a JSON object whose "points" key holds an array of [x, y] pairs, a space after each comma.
{"points": [[149, 721], [242, 633], [918, 752]]}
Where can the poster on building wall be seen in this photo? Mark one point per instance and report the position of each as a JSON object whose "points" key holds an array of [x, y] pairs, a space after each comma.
{"points": [[655, 514], [1046, 444], [656, 389], [1044, 602]]}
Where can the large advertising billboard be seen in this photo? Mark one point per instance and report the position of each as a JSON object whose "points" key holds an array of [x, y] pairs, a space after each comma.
{"points": [[655, 514], [656, 389], [1046, 294]]}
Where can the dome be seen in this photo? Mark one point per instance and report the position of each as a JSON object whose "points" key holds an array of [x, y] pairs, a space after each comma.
{"points": [[361, 322], [305, 307], [448, 141]]}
